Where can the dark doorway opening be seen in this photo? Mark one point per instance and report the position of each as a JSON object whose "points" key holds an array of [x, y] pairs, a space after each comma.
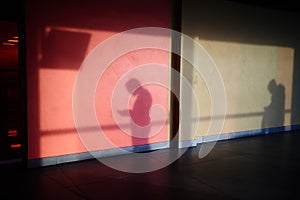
{"points": [[13, 132], [10, 101]]}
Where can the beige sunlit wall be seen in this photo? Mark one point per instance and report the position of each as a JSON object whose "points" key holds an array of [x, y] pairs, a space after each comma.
{"points": [[257, 71], [246, 71]]}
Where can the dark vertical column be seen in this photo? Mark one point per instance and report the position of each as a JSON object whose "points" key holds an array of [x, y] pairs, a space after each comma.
{"points": [[22, 80], [295, 111], [176, 12]]}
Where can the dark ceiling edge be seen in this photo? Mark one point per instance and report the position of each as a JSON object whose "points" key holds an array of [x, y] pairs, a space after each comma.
{"points": [[10, 8], [287, 5]]}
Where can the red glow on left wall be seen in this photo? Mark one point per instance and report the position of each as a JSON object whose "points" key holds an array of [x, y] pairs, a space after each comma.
{"points": [[58, 41]]}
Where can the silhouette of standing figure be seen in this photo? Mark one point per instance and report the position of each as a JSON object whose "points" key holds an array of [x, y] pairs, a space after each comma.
{"points": [[274, 112], [139, 113]]}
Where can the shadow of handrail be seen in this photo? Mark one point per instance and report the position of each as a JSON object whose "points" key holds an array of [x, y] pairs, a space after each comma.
{"points": [[157, 122]]}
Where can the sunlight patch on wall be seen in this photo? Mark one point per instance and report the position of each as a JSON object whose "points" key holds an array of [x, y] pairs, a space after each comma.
{"points": [[248, 72]]}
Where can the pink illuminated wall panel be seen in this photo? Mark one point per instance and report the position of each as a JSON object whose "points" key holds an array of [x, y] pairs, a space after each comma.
{"points": [[59, 36]]}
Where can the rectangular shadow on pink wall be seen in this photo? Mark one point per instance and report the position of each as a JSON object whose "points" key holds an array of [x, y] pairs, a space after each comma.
{"points": [[62, 49], [60, 53]]}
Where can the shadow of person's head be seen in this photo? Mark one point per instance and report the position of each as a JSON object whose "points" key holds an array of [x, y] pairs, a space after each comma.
{"points": [[272, 86], [276, 89], [132, 85]]}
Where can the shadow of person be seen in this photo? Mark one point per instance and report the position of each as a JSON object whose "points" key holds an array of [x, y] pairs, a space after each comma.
{"points": [[274, 113], [139, 114]]}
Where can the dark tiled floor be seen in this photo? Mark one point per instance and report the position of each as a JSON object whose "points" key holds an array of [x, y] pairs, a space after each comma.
{"points": [[262, 167]]}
